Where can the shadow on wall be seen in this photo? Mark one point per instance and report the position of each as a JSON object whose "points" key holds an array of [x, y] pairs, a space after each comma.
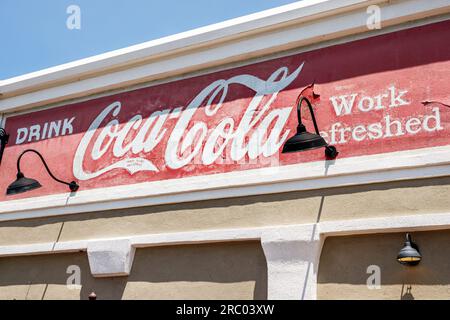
{"points": [[208, 271], [343, 269]]}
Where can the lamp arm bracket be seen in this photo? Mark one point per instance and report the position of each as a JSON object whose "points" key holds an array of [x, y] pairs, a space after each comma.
{"points": [[4, 137], [311, 111]]}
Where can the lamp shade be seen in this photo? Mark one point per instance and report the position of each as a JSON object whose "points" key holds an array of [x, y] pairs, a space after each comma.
{"points": [[22, 184], [409, 254], [303, 140]]}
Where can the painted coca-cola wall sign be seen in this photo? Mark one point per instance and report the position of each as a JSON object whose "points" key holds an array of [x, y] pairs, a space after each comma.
{"points": [[377, 95]]}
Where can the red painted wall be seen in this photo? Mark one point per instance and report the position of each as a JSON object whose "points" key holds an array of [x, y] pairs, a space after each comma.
{"points": [[389, 78]]}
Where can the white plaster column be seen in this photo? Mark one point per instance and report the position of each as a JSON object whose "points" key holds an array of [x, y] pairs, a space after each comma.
{"points": [[292, 255]]}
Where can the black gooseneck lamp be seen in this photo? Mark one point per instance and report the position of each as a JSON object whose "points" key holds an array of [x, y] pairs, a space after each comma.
{"points": [[23, 184], [409, 255], [304, 140], [4, 137]]}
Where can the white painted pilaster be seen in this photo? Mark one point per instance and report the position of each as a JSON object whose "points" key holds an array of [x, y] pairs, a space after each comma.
{"points": [[292, 255]]}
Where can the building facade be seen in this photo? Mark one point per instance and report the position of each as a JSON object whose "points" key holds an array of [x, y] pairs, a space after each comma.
{"points": [[184, 191]]}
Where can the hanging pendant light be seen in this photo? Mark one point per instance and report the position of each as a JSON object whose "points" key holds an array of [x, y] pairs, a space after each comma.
{"points": [[409, 254]]}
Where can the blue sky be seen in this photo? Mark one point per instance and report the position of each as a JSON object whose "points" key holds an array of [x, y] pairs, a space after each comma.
{"points": [[34, 34]]}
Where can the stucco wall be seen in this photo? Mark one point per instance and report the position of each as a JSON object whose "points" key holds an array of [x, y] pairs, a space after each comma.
{"points": [[344, 261], [209, 271], [356, 202]]}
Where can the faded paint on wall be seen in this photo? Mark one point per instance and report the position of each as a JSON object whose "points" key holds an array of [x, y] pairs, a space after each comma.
{"points": [[238, 119]]}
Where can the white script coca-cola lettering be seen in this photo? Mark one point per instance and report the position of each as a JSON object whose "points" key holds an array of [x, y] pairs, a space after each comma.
{"points": [[261, 131]]}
